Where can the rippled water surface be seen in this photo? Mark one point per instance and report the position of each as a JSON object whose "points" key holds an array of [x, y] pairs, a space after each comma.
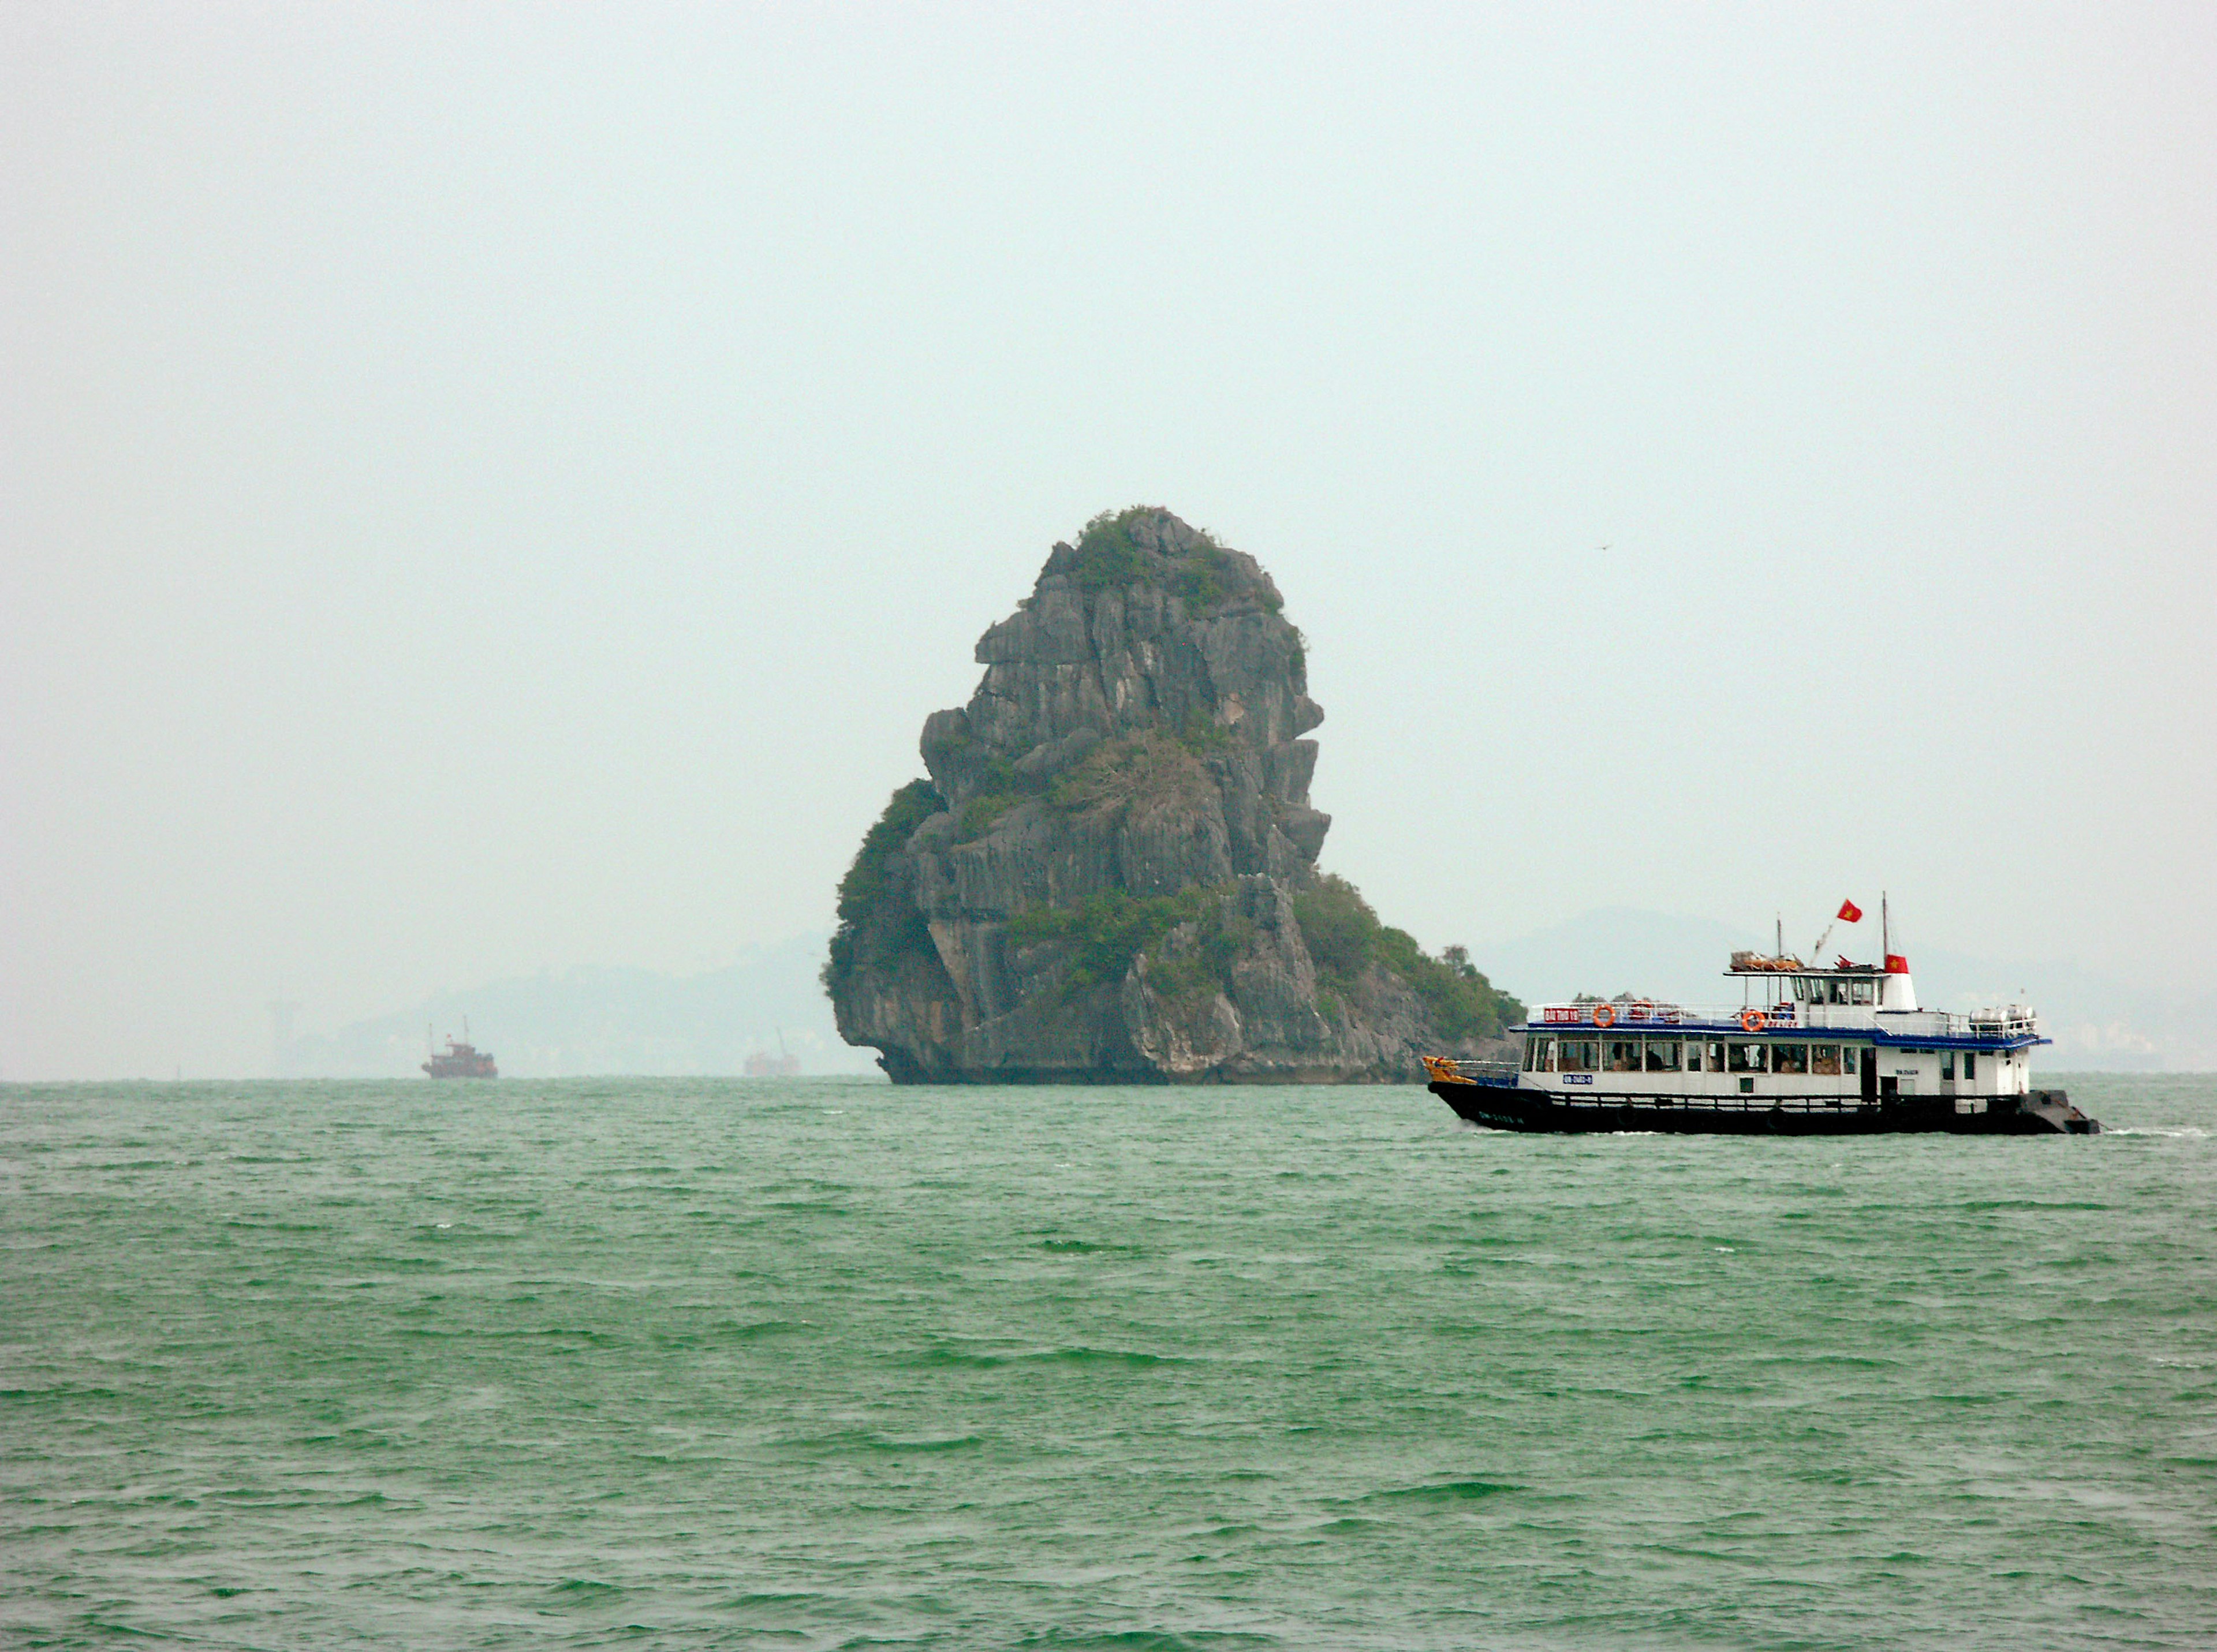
{"points": [[814, 1364]]}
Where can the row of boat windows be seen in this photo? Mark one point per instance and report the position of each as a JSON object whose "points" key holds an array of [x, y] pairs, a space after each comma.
{"points": [[1822, 990], [1707, 1055]]}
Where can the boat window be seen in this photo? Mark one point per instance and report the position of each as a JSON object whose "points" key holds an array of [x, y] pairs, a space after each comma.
{"points": [[1970, 1063], [1662, 1055], [1861, 992], [1948, 1065], [1847, 1057], [1575, 1055], [1824, 1060], [1838, 991], [1623, 1054], [1744, 1057], [1716, 1057], [1790, 1058], [1801, 989]]}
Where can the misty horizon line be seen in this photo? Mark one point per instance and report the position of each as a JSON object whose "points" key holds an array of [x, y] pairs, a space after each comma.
{"points": [[610, 1020]]}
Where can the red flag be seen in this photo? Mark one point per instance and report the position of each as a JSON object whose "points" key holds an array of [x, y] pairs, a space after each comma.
{"points": [[1850, 913]]}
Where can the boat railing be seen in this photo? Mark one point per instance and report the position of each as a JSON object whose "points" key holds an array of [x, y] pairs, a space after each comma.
{"points": [[1634, 1014], [1622, 1016]]}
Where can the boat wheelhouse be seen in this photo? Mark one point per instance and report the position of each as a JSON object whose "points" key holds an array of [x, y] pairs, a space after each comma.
{"points": [[1809, 1050], [460, 1059]]}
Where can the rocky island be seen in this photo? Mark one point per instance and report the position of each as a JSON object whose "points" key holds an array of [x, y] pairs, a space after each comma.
{"points": [[1110, 875]]}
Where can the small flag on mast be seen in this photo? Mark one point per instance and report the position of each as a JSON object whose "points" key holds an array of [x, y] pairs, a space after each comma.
{"points": [[1850, 913]]}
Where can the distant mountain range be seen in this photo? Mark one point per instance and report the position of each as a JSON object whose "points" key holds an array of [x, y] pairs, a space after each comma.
{"points": [[602, 1020], [606, 1019]]}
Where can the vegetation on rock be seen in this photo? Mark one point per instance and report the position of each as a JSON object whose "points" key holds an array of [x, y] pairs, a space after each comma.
{"points": [[864, 886], [1152, 768], [863, 891], [1201, 575], [1105, 932], [1346, 939]]}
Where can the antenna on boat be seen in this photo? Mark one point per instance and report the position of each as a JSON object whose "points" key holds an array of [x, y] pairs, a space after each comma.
{"points": [[1884, 931], [1778, 943]]}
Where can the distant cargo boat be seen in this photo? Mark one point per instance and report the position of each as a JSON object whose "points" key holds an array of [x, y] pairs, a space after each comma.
{"points": [[783, 1065], [460, 1059], [1811, 1050]]}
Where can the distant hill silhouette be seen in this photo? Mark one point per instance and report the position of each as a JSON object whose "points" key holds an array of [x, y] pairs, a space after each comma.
{"points": [[596, 1020], [641, 1021]]}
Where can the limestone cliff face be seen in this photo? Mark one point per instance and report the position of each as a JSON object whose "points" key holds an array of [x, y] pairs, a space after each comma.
{"points": [[1110, 875]]}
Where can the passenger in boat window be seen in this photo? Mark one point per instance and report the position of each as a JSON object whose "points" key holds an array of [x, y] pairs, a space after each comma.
{"points": [[1848, 1059], [1824, 1060], [1716, 1057], [1744, 1059], [1577, 1055], [1624, 1055], [1662, 1055], [1790, 1058], [1948, 1065], [1970, 1064]]}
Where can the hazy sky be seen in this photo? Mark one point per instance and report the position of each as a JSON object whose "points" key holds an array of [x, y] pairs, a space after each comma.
{"points": [[494, 488]]}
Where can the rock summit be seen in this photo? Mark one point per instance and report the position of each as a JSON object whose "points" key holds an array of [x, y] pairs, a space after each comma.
{"points": [[1110, 875]]}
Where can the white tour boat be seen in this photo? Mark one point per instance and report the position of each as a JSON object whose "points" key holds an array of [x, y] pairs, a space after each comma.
{"points": [[1811, 1050]]}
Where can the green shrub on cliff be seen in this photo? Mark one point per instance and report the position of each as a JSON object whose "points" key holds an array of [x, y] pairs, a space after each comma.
{"points": [[1109, 930], [865, 882], [863, 889], [1107, 933], [1144, 770], [1344, 939], [1205, 967], [1106, 558], [1109, 558], [982, 812]]}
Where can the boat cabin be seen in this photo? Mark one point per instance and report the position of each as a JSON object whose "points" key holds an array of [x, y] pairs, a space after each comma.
{"points": [[1803, 1038]]}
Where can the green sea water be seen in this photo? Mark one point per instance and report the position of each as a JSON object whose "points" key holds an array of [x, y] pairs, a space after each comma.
{"points": [[817, 1363]]}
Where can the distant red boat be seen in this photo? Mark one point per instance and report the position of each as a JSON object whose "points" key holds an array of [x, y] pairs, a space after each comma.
{"points": [[461, 1058], [762, 1064]]}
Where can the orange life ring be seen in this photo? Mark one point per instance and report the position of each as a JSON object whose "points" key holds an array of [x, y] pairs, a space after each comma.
{"points": [[1753, 1020], [1643, 1010], [1604, 1015]]}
